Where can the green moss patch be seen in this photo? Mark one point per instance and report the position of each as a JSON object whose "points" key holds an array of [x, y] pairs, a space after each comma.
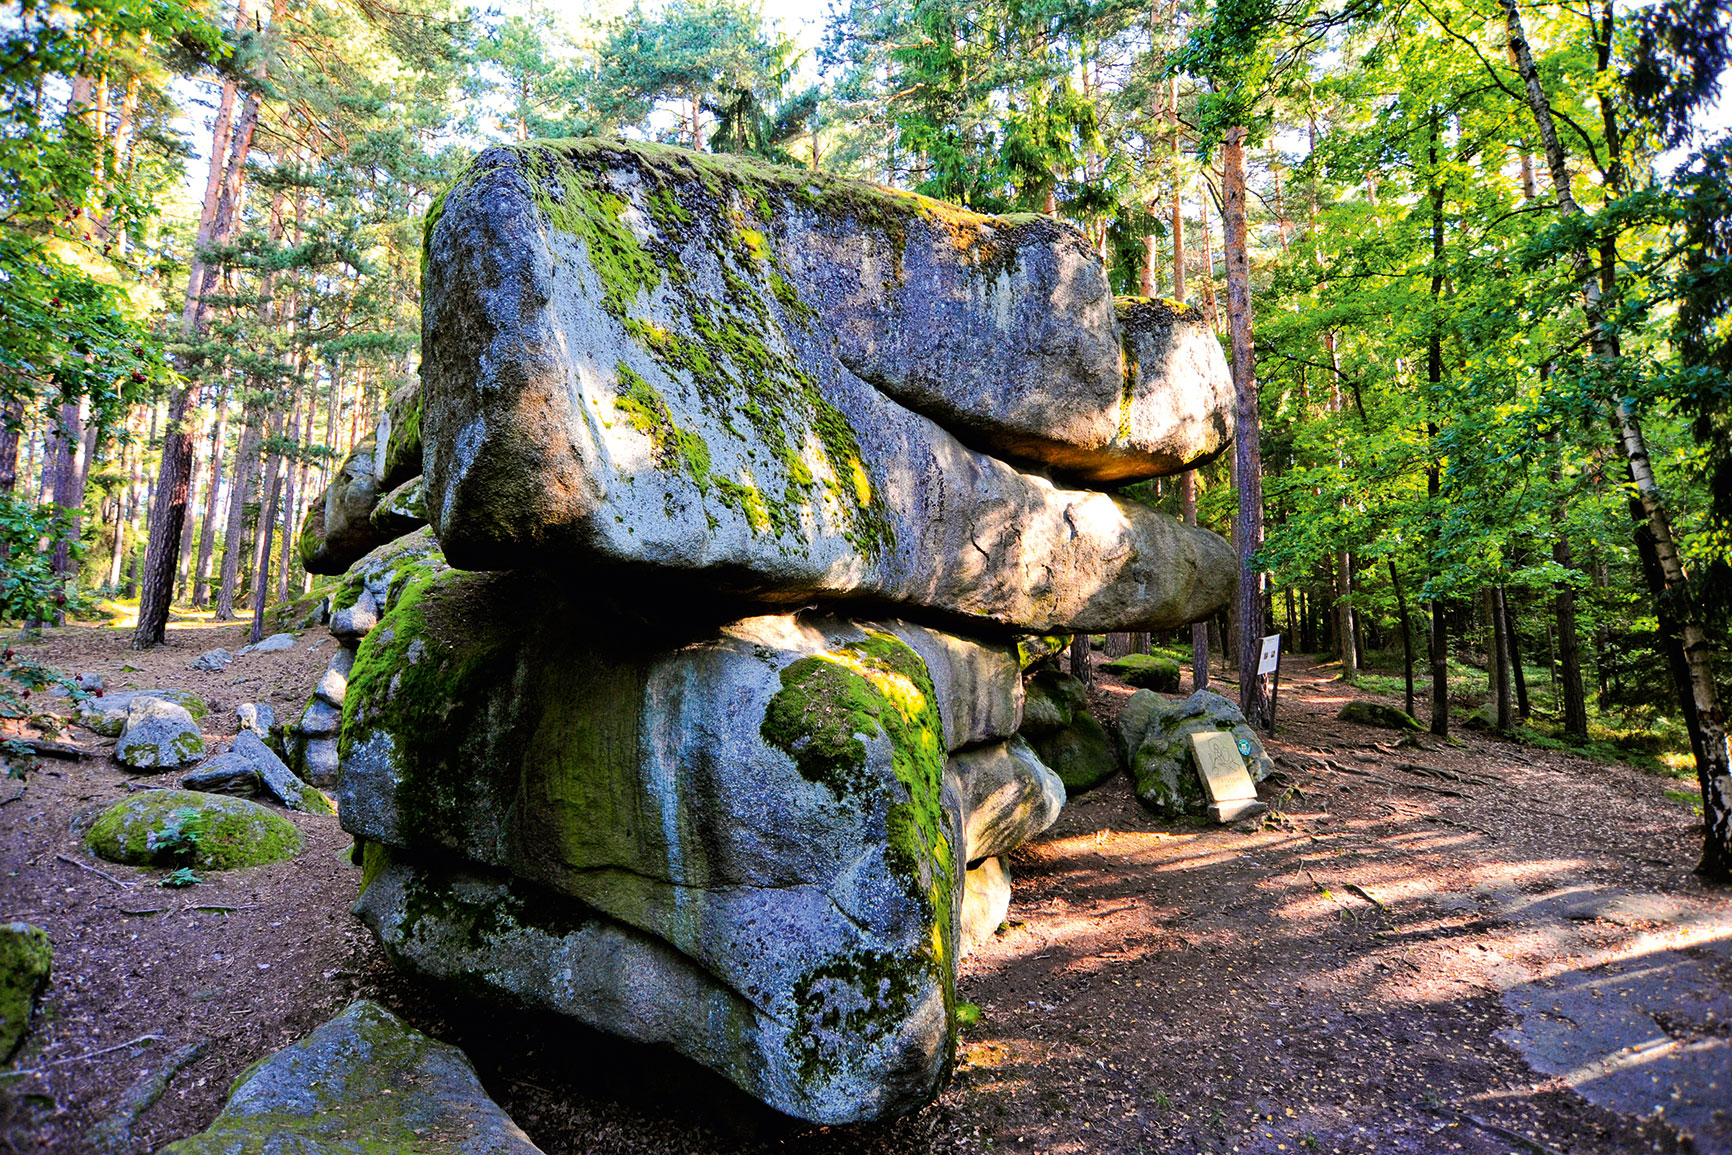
{"points": [[26, 957], [1146, 672], [830, 705], [185, 828]]}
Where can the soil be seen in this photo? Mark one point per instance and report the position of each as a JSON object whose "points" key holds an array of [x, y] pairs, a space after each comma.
{"points": [[1366, 971]]}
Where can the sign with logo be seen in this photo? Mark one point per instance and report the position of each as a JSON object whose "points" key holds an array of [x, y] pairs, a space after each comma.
{"points": [[1270, 659]]}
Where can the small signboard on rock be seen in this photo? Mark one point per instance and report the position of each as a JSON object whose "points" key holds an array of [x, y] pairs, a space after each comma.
{"points": [[1232, 794]]}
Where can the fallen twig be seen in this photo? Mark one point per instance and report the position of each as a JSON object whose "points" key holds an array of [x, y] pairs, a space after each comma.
{"points": [[49, 749], [77, 1058], [223, 909], [1366, 895], [1501, 1132], [95, 870]]}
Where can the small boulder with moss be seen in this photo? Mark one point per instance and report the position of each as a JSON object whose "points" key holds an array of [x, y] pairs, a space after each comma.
{"points": [[185, 828], [1146, 672], [1378, 714], [1155, 738], [363, 1082], [26, 957], [159, 735], [107, 715]]}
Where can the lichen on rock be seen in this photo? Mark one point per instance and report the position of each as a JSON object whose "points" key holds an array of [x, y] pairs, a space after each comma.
{"points": [[176, 828]]}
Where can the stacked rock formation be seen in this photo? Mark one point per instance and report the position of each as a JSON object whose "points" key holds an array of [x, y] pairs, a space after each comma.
{"points": [[692, 715]]}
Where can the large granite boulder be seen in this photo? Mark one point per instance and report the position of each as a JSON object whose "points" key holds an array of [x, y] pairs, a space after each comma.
{"points": [[363, 1082], [107, 715], [26, 959], [768, 381], [1154, 737], [741, 839]]}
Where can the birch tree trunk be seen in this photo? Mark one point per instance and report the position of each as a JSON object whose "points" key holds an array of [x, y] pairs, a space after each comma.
{"points": [[1714, 757]]}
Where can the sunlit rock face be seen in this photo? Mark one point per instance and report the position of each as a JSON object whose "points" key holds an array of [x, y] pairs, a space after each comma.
{"points": [[692, 713], [795, 387]]}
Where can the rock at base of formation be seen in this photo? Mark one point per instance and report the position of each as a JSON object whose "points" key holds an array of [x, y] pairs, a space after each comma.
{"points": [[361, 1083], [1154, 736], [745, 839], [1057, 723], [768, 381]]}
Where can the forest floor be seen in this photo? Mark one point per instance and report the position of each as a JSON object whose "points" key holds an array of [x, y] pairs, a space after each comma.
{"points": [[1480, 947]]}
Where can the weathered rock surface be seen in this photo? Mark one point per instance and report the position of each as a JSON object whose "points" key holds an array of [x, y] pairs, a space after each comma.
{"points": [[1180, 395], [1378, 714], [338, 527], [739, 839], [276, 643], [1154, 736], [985, 902], [26, 958], [1051, 699], [1008, 796], [362, 1082], [1082, 754], [213, 659], [158, 735], [258, 717], [401, 511], [215, 831], [107, 715], [730, 409]]}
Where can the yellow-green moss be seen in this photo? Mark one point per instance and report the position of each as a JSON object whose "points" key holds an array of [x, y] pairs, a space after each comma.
{"points": [[830, 705], [232, 832], [647, 411], [736, 356]]}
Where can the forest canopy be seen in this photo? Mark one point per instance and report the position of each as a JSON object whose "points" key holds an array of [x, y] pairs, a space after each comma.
{"points": [[1473, 263]]}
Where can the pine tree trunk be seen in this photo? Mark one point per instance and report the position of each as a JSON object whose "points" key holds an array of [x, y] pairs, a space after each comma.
{"points": [[1569, 649], [207, 538], [1406, 635], [1199, 630], [234, 545], [1247, 441], [1081, 660], [1209, 310], [267, 522], [1439, 641], [1497, 657], [1346, 651], [11, 424], [1714, 753]]}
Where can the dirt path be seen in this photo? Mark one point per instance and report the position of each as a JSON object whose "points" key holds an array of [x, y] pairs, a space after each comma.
{"points": [[1364, 974]]}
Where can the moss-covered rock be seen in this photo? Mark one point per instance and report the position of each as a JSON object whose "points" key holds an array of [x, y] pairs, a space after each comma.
{"points": [[739, 381], [362, 1084], [1050, 700], [107, 715], [1155, 734], [1081, 754], [1032, 652], [765, 798], [1145, 671], [158, 735], [1378, 714], [26, 958], [175, 828]]}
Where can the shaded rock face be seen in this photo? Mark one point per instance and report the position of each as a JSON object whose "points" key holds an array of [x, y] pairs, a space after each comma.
{"points": [[542, 784], [1154, 737], [636, 355], [364, 1081], [371, 500]]}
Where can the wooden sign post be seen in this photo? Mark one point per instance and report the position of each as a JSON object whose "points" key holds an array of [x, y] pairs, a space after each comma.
{"points": [[1269, 662]]}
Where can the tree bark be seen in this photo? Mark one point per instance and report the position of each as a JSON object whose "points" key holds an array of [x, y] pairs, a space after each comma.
{"points": [[207, 538], [1512, 644], [234, 546], [1569, 649], [1199, 630], [1247, 446], [1081, 660], [1714, 754], [1406, 635], [1439, 641], [267, 522]]}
